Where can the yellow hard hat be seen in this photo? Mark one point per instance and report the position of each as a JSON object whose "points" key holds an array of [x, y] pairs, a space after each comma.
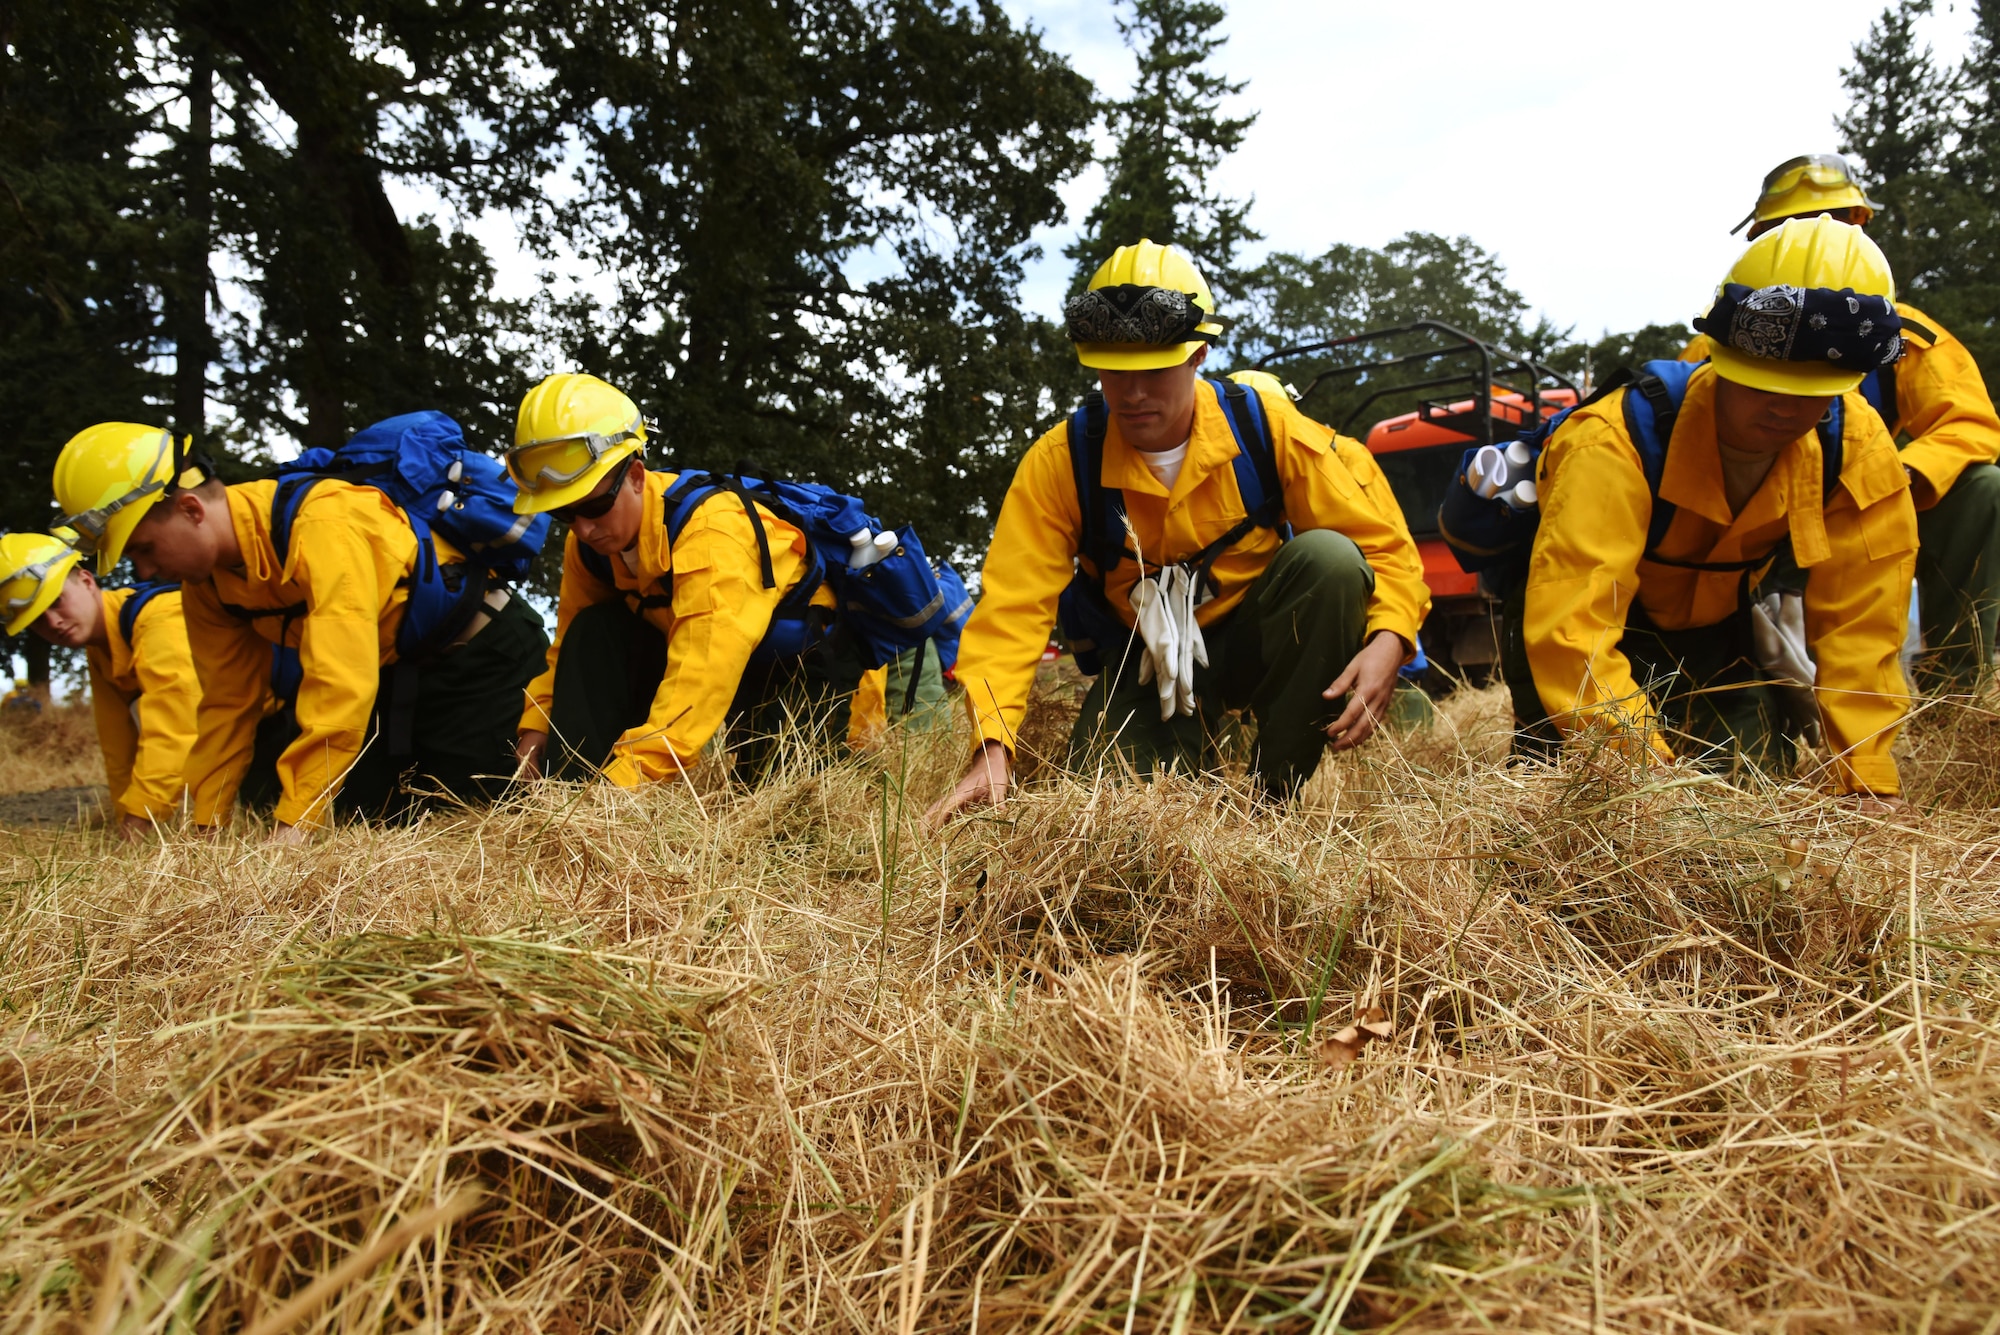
{"points": [[1807, 309], [1146, 307], [1802, 186], [571, 431], [109, 475], [33, 567], [1265, 381]]}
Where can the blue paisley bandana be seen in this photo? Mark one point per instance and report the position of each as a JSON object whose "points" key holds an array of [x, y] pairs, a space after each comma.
{"points": [[1806, 324], [1153, 317]]}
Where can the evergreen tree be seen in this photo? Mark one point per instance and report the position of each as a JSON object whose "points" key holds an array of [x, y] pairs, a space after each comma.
{"points": [[1170, 136], [1925, 137], [79, 247]]}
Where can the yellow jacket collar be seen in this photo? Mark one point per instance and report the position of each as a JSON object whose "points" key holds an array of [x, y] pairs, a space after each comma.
{"points": [[1211, 447], [1692, 476]]}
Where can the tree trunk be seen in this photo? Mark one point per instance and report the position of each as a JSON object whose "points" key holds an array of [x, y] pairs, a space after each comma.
{"points": [[35, 649]]}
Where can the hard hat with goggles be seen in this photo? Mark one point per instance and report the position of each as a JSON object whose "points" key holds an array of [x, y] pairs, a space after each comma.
{"points": [[33, 568], [571, 432], [109, 475], [1811, 183]]}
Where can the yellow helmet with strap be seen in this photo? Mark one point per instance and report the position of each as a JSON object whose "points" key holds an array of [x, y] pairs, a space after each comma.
{"points": [[1147, 307], [109, 475], [572, 430], [1812, 183], [1807, 309], [33, 567]]}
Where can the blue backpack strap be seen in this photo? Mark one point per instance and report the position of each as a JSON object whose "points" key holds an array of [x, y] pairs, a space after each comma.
{"points": [[1256, 462], [1102, 542], [142, 593], [1833, 444]]}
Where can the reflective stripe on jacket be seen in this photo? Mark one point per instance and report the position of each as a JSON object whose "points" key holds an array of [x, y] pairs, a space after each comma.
{"points": [[1330, 482], [1587, 569], [144, 696], [350, 549], [717, 614]]}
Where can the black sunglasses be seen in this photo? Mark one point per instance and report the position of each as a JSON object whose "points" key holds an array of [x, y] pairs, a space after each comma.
{"points": [[598, 506]]}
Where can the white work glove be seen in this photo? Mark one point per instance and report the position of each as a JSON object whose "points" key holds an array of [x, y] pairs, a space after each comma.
{"points": [[1182, 587], [1163, 605], [1778, 629], [1157, 628]]}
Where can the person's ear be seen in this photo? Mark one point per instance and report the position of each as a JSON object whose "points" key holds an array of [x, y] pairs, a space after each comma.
{"points": [[1200, 356], [89, 580], [190, 507], [635, 474]]}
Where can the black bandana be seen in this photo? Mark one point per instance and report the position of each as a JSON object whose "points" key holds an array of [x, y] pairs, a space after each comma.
{"points": [[1154, 317], [1806, 324]]}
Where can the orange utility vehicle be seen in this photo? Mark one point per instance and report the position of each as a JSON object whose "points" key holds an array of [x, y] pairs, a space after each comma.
{"points": [[1467, 393]]}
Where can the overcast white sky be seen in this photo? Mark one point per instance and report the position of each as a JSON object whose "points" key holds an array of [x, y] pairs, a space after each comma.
{"points": [[1603, 151]]}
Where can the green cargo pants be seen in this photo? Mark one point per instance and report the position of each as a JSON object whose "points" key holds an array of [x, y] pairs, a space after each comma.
{"points": [[1958, 582], [1295, 631], [1712, 699], [610, 669], [445, 724], [927, 707]]}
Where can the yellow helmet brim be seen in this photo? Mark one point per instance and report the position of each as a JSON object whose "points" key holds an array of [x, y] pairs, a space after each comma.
{"points": [[110, 548], [45, 596], [1803, 379], [1127, 357], [561, 457]]}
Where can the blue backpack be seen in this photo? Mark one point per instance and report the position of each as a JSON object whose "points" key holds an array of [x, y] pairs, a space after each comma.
{"points": [[1879, 385], [420, 462], [900, 602], [1089, 625], [142, 593], [1488, 535]]}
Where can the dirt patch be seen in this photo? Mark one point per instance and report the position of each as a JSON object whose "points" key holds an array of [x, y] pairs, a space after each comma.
{"points": [[53, 806]]}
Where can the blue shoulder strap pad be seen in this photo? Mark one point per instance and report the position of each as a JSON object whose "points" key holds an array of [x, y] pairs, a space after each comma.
{"points": [[142, 593], [1256, 462], [1102, 542]]}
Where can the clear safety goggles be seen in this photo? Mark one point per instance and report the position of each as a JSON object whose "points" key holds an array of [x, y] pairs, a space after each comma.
{"points": [[561, 460], [36, 575], [1822, 169], [91, 524]]}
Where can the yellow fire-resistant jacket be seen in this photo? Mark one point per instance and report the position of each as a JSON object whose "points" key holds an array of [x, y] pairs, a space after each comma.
{"points": [[1330, 482], [1943, 412], [719, 611], [1588, 567], [350, 550], [144, 695]]}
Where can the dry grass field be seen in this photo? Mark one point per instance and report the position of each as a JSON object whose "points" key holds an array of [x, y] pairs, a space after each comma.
{"points": [[1445, 1046]]}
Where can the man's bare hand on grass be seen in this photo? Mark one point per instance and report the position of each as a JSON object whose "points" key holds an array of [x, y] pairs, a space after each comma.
{"points": [[1371, 679], [985, 784], [529, 750]]}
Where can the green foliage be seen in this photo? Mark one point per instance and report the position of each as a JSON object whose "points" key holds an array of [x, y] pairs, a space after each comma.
{"points": [[1929, 136], [1295, 299], [79, 252], [761, 164], [1170, 137]]}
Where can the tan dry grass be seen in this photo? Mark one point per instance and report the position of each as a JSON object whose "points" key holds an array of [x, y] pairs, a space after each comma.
{"points": [[55, 748], [1665, 1054]]}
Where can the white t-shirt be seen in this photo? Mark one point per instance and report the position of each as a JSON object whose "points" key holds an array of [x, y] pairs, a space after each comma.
{"points": [[1166, 464]]}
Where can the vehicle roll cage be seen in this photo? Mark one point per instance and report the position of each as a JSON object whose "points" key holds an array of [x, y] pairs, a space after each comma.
{"points": [[1476, 418]]}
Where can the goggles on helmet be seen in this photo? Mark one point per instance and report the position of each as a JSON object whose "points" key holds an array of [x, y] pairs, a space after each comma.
{"points": [[1826, 171], [38, 572], [91, 524], [561, 460]]}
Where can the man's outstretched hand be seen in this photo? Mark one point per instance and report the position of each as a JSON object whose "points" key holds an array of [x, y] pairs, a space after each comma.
{"points": [[1371, 678], [985, 784]]}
